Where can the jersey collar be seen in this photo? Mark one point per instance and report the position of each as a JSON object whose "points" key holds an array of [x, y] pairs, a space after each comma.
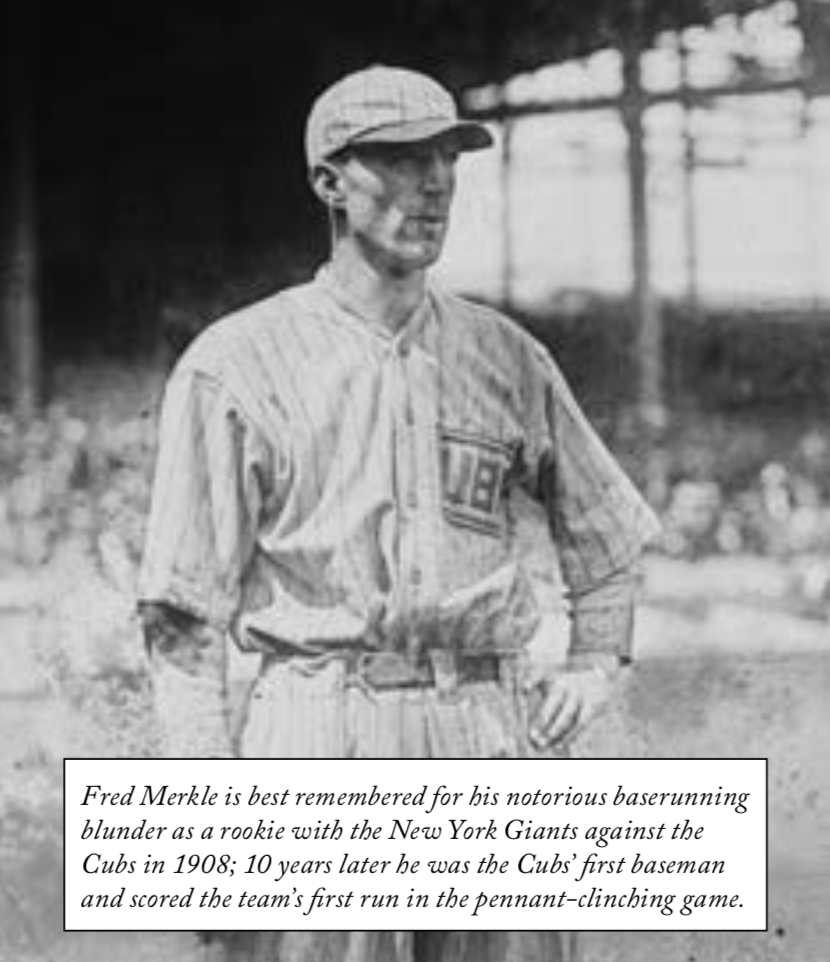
{"points": [[410, 333]]}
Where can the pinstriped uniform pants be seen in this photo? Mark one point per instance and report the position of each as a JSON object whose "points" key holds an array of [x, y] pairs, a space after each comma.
{"points": [[304, 708]]}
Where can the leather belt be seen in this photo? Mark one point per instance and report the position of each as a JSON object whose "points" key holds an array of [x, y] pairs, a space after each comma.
{"points": [[435, 668]]}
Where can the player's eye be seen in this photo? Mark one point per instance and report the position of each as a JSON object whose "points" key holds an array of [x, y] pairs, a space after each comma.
{"points": [[449, 152], [388, 154]]}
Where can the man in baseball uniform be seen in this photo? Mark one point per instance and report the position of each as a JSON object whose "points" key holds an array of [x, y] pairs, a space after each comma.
{"points": [[336, 487]]}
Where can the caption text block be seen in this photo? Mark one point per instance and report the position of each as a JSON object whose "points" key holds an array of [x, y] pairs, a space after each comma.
{"points": [[600, 844]]}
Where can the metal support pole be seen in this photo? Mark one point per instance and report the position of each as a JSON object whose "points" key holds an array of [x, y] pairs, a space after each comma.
{"points": [[649, 337], [690, 227], [18, 237], [507, 258]]}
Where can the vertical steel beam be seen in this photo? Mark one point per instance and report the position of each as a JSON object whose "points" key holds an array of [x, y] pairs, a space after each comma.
{"points": [[18, 220], [649, 337], [507, 235]]}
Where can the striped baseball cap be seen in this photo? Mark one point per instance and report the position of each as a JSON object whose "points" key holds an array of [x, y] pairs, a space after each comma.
{"points": [[386, 105]]}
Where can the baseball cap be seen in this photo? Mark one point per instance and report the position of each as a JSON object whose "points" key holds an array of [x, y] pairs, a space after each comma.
{"points": [[386, 105]]}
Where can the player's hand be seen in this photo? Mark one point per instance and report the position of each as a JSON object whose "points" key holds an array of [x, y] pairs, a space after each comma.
{"points": [[563, 699]]}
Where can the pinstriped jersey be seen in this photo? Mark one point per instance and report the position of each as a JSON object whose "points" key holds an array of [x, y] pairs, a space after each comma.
{"points": [[322, 480]]}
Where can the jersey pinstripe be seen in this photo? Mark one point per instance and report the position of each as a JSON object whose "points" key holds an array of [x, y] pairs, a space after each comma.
{"points": [[321, 480]]}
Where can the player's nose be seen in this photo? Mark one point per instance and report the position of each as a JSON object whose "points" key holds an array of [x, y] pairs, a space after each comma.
{"points": [[438, 175]]}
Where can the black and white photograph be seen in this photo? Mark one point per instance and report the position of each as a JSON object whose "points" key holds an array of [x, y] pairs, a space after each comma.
{"points": [[418, 379]]}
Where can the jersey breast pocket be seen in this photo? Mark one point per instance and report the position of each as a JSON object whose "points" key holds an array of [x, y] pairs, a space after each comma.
{"points": [[475, 471]]}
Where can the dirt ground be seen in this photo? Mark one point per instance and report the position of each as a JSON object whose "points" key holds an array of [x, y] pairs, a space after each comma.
{"points": [[717, 675]]}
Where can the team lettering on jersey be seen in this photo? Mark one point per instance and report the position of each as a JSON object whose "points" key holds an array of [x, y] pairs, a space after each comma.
{"points": [[473, 472]]}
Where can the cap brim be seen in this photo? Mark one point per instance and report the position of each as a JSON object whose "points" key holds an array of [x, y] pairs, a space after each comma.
{"points": [[468, 134]]}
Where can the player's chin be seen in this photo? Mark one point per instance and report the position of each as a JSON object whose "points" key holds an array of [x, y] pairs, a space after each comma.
{"points": [[421, 253]]}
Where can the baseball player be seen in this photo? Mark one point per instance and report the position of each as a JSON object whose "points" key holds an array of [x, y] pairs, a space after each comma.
{"points": [[336, 487]]}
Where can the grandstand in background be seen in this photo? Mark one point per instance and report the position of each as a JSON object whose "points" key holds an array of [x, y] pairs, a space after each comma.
{"points": [[737, 142]]}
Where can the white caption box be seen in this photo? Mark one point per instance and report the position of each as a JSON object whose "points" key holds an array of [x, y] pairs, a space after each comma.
{"points": [[600, 844]]}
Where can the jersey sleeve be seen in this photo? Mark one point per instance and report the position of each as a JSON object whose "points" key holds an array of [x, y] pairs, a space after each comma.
{"points": [[207, 498], [599, 521]]}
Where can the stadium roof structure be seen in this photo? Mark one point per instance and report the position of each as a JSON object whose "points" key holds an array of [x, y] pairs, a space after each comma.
{"points": [[157, 41], [222, 87]]}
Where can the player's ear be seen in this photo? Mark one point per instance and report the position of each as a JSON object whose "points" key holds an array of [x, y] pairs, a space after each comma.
{"points": [[327, 183]]}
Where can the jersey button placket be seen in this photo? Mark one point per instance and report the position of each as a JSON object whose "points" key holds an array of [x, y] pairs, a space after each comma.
{"points": [[423, 405], [409, 571], [415, 573]]}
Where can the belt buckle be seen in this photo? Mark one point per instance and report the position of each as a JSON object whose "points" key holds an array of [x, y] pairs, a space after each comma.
{"points": [[389, 669], [444, 665]]}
